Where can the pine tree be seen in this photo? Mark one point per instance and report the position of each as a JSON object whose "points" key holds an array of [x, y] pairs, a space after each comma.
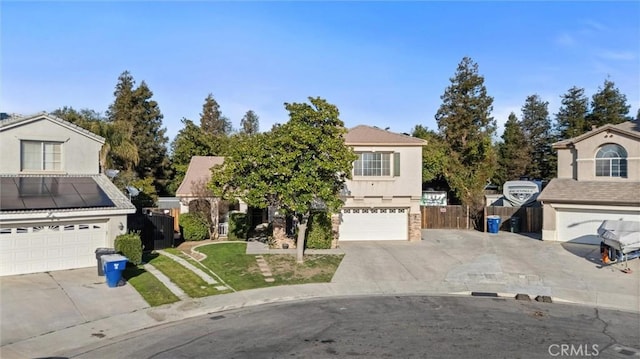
{"points": [[465, 122], [571, 117], [249, 124], [608, 106], [513, 155], [138, 118], [537, 130], [211, 119]]}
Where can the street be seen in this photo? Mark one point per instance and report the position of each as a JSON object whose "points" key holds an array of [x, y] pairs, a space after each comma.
{"points": [[387, 327]]}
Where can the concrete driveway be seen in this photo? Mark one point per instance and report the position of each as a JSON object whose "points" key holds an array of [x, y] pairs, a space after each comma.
{"points": [[34, 304], [449, 261]]}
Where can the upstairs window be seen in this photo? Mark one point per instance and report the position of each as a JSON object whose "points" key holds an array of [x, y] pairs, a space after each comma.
{"points": [[377, 164], [611, 161], [40, 156]]}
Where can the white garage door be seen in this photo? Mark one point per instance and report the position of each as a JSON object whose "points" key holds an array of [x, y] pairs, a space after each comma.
{"points": [[581, 226], [361, 224], [32, 249]]}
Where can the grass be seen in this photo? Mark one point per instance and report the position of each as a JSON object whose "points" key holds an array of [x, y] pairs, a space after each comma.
{"points": [[233, 265], [240, 270], [187, 280], [149, 287]]}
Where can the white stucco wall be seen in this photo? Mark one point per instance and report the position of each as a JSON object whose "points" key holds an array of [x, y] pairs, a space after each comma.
{"points": [[80, 153]]}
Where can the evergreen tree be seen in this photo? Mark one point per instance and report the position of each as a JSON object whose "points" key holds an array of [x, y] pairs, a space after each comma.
{"points": [[249, 123], [571, 117], [465, 122], [513, 155], [536, 126], [139, 117], [211, 119], [608, 106]]}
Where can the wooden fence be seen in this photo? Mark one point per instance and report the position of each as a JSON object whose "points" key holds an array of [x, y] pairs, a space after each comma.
{"points": [[459, 217]]}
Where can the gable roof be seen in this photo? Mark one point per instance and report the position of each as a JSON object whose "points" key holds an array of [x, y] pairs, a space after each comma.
{"points": [[367, 135], [197, 172], [629, 128], [568, 190], [12, 122]]}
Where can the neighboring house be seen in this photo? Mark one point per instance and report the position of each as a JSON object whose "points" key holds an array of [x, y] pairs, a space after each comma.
{"points": [[194, 184], [56, 207], [383, 197], [598, 179]]}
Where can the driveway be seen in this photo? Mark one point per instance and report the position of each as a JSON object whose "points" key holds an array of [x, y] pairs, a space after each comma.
{"points": [[450, 261], [34, 304]]}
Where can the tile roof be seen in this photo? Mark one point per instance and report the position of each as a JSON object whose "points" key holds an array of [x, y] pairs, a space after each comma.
{"points": [[197, 172], [568, 190], [17, 121], [631, 128], [367, 135]]}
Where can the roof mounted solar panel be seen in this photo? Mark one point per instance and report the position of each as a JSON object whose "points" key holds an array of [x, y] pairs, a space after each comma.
{"points": [[38, 193]]}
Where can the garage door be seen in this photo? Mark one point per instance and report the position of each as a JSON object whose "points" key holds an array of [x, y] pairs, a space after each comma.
{"points": [[361, 224], [32, 249], [581, 226]]}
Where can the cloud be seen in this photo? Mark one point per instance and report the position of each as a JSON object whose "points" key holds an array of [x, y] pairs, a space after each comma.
{"points": [[565, 39], [617, 55], [592, 25]]}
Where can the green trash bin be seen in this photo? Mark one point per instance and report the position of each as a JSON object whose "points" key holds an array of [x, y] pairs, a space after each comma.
{"points": [[515, 224]]}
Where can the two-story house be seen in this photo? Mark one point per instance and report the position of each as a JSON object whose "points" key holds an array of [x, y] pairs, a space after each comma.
{"points": [[56, 208], [383, 197], [598, 179]]}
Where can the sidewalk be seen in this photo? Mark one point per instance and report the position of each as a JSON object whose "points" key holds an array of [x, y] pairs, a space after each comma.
{"points": [[443, 263]]}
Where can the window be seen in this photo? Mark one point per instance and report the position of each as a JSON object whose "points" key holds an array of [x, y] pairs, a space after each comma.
{"points": [[41, 156], [376, 164], [611, 161]]}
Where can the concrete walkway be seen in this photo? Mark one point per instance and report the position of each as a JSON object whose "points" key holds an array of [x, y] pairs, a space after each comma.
{"points": [[443, 263]]}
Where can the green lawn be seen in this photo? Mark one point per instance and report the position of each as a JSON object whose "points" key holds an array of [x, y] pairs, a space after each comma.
{"points": [[184, 278], [149, 287], [240, 271]]}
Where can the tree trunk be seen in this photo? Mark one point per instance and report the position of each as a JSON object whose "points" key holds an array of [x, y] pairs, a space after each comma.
{"points": [[302, 230]]}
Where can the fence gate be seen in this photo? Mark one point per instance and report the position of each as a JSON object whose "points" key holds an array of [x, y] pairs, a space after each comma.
{"points": [[445, 217], [156, 230]]}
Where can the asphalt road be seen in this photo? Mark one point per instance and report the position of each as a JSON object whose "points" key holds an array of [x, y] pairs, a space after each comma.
{"points": [[388, 327]]}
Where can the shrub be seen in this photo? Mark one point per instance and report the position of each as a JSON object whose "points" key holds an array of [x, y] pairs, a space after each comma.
{"points": [[238, 226], [130, 245], [194, 227], [319, 235]]}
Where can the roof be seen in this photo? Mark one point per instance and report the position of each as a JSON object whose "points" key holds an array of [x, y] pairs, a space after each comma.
{"points": [[568, 190], [61, 193], [12, 122], [630, 128], [199, 171], [367, 135]]}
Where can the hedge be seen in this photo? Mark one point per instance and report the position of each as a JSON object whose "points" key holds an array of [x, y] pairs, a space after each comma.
{"points": [[319, 235], [194, 227], [238, 226], [130, 245]]}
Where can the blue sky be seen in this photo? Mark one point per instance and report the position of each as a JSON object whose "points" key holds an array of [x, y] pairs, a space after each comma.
{"points": [[382, 63]]}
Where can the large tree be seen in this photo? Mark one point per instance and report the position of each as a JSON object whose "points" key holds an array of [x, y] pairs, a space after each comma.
{"points": [[608, 106], [513, 156], [536, 125], [249, 124], [571, 117], [465, 123], [211, 119], [136, 114], [434, 156], [296, 166]]}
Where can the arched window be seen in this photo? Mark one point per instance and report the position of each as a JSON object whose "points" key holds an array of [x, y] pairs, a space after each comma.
{"points": [[611, 161]]}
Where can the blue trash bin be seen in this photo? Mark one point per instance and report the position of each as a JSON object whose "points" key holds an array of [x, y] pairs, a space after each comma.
{"points": [[493, 224], [113, 265]]}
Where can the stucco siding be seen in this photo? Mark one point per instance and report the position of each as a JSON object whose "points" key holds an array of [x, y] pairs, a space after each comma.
{"points": [[80, 153], [588, 148]]}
